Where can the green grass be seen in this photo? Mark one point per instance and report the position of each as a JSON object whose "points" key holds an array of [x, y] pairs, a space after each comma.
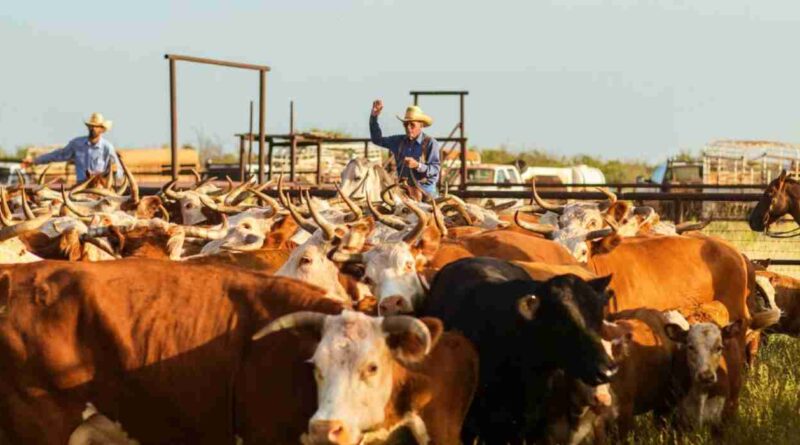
{"points": [[769, 406]]}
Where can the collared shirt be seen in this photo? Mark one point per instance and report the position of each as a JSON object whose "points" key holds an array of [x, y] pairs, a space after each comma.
{"points": [[88, 158], [427, 174]]}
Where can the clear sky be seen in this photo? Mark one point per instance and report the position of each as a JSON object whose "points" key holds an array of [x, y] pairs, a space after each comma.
{"points": [[631, 79]]}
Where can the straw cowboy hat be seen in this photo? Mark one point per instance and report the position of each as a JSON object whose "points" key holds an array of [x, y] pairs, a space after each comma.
{"points": [[97, 120], [414, 113]]}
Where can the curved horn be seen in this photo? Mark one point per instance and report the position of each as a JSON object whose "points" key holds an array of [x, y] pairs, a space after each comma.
{"points": [[199, 184], [612, 198], [461, 208], [97, 191], [357, 213], [26, 208], [231, 196], [21, 178], [542, 229], [398, 324], [43, 173], [422, 220], [302, 222], [223, 192], [170, 192], [272, 202], [600, 233], [383, 219], [197, 177], [689, 226], [164, 212], [328, 229], [4, 209], [542, 203], [23, 227], [438, 218], [5, 218], [300, 319], [131, 180], [386, 195], [110, 176], [71, 205], [206, 233]]}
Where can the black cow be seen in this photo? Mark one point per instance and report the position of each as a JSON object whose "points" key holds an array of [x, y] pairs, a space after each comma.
{"points": [[525, 333]]}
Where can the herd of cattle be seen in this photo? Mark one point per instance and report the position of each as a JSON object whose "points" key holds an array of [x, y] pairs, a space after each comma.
{"points": [[211, 314]]}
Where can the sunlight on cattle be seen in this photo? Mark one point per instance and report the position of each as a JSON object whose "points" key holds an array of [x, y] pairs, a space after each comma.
{"points": [[309, 262]]}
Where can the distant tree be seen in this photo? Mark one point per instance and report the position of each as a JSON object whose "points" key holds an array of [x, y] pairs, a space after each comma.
{"points": [[335, 133], [208, 148], [687, 155], [614, 170]]}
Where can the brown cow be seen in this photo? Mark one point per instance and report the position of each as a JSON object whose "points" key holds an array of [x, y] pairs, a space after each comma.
{"points": [[707, 371], [374, 376], [644, 355], [153, 344]]}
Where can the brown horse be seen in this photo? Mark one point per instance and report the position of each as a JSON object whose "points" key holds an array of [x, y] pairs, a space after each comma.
{"points": [[781, 197]]}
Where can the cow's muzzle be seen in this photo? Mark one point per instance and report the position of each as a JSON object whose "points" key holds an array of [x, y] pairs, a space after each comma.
{"points": [[329, 432], [394, 305]]}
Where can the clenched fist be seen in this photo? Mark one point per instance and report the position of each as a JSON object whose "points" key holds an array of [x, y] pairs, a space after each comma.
{"points": [[377, 106]]}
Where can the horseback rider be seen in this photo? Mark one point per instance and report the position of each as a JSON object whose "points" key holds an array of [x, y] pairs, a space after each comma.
{"points": [[415, 153]]}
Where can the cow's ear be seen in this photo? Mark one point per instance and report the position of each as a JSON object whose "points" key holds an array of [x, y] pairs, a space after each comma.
{"points": [[600, 284], [409, 346], [676, 333], [618, 210], [732, 330], [605, 244]]}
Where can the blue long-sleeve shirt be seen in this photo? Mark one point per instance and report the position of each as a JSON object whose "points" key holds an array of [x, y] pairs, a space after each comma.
{"points": [[88, 158], [427, 174]]}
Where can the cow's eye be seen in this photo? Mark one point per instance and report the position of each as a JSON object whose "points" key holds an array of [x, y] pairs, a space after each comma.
{"points": [[247, 226], [409, 266], [367, 280], [718, 349], [372, 368], [358, 178], [189, 205], [305, 260]]}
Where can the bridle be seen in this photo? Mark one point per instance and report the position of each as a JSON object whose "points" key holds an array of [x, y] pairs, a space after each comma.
{"points": [[765, 220]]}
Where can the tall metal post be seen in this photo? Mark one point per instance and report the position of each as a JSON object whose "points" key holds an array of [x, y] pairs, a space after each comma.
{"points": [[173, 108], [319, 163], [463, 185], [366, 150], [292, 156], [242, 154], [269, 158], [249, 143], [262, 103], [416, 99], [291, 117]]}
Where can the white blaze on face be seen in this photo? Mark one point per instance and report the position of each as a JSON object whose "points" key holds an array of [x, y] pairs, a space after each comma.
{"points": [[309, 262], [354, 368], [573, 226], [391, 273], [704, 351]]}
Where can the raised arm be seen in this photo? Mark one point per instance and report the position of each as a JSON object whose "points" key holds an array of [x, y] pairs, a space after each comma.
{"points": [[375, 133]]}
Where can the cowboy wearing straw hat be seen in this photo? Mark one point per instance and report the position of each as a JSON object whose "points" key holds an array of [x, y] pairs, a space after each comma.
{"points": [[91, 154], [415, 153]]}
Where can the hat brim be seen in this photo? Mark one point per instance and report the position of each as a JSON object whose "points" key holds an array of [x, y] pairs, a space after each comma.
{"points": [[426, 121], [105, 124]]}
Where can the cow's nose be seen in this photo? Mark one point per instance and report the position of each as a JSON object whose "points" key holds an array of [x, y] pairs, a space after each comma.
{"points": [[602, 397], [327, 432], [251, 238], [394, 305], [707, 377]]}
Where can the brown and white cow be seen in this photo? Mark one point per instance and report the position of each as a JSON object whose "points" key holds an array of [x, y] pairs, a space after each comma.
{"points": [[376, 376]]}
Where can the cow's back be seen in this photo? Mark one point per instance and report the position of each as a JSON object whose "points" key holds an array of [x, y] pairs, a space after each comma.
{"points": [[153, 344], [674, 271]]}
